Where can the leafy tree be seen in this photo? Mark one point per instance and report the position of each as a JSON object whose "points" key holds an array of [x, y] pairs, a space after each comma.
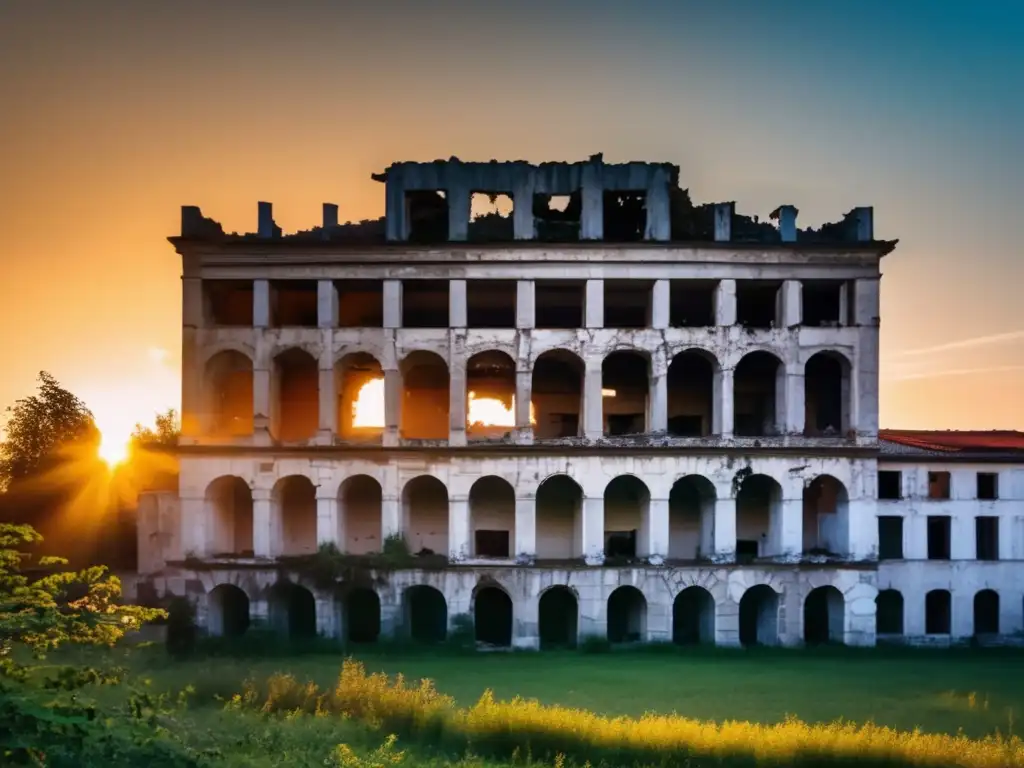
{"points": [[168, 427]]}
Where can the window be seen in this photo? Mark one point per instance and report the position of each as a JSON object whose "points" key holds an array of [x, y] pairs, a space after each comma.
{"points": [[620, 543], [492, 544], [890, 537], [889, 484], [938, 485], [939, 530], [988, 486], [937, 612], [746, 550], [986, 533]]}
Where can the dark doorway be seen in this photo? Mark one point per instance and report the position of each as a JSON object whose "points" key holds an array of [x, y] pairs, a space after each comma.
{"points": [[492, 617], [558, 618]]}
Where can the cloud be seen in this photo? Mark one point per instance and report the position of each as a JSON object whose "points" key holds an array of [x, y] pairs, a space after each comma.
{"points": [[977, 341], [954, 372]]}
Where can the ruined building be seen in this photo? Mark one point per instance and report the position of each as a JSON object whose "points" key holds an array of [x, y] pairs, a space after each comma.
{"points": [[606, 412]]}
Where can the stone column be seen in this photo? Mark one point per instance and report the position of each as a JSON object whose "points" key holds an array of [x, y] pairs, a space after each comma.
{"points": [[657, 411], [262, 405], [392, 406], [457, 395], [327, 527], [524, 394], [724, 536], [659, 214], [592, 198], [457, 308], [390, 516], [195, 520], [328, 394], [261, 304], [593, 530], [790, 304], [655, 548], [794, 416], [193, 405], [723, 415], [458, 196], [526, 529], [262, 527], [525, 304], [392, 296], [458, 529], [725, 303], [593, 304], [523, 225], [326, 304], [396, 214], [786, 534], [593, 404], [660, 304]]}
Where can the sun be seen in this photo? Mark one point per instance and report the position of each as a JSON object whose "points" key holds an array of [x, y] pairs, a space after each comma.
{"points": [[113, 450]]}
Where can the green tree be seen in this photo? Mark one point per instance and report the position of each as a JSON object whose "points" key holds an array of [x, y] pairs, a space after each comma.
{"points": [[168, 427]]}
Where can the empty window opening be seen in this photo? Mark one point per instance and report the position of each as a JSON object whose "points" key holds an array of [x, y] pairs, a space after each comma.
{"points": [[293, 503], [890, 485], [229, 510], [759, 387], [939, 536], [426, 614], [228, 303], [228, 611], [691, 518], [759, 616], [625, 216], [293, 303], [492, 515], [756, 303], [491, 303], [559, 303], [292, 611], [827, 395], [691, 394], [747, 550], [988, 486], [426, 216], [627, 303], [557, 395], [491, 217], [986, 530], [986, 612], [558, 618], [360, 303], [559, 523], [426, 397], [758, 514], [938, 485], [826, 514], [823, 616], [889, 612], [296, 391], [425, 304], [362, 616], [822, 303], [627, 616], [425, 516], [490, 395], [359, 382], [693, 617], [229, 394], [492, 617], [692, 303], [557, 217], [937, 612], [890, 537], [626, 509], [626, 393], [360, 515]]}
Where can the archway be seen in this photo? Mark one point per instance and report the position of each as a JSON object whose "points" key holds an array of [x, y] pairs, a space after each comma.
{"points": [[426, 614], [359, 383], [691, 518], [937, 612], [986, 612], [296, 393], [294, 507], [691, 394], [826, 517], [229, 510], [292, 611], [426, 397], [492, 518], [627, 616], [360, 515], [228, 394], [823, 616], [759, 616], [557, 395], [626, 517], [759, 395], [490, 395], [362, 615], [693, 617], [625, 393], [559, 515], [228, 611], [558, 618], [889, 613], [827, 395], [758, 518], [492, 617], [425, 511]]}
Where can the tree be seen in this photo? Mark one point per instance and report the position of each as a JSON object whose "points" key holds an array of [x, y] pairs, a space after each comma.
{"points": [[168, 427]]}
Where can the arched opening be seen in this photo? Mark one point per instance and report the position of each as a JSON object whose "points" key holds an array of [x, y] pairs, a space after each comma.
{"points": [[492, 617], [559, 519], [294, 509], [228, 394], [359, 381], [627, 616], [425, 397], [558, 618], [937, 612], [889, 613], [360, 515], [556, 398], [693, 617], [228, 611], [425, 512], [759, 616], [986, 612], [691, 518], [826, 519], [490, 396], [292, 611], [426, 614], [492, 518], [759, 390], [229, 510], [625, 393], [827, 395], [823, 616], [296, 391], [362, 615], [691, 394], [626, 517], [758, 518]]}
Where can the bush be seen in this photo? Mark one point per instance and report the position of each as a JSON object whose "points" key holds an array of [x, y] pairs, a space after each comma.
{"points": [[181, 628], [595, 644]]}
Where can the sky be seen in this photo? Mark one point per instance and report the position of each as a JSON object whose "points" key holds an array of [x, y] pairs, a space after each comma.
{"points": [[114, 114]]}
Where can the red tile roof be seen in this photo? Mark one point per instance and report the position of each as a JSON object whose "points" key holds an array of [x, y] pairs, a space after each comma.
{"points": [[948, 441]]}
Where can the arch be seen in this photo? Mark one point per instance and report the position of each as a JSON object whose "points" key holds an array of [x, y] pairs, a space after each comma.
{"points": [[426, 614], [691, 518], [426, 396], [229, 512], [889, 612], [492, 518], [227, 611], [362, 615], [295, 388], [826, 517], [693, 617], [693, 378], [758, 518], [558, 618], [492, 617], [425, 515], [559, 517], [986, 612], [759, 390], [228, 394], [627, 616], [490, 395], [359, 382], [556, 399], [827, 391], [759, 616], [627, 503], [292, 610], [293, 502], [824, 609], [938, 610], [625, 392], [360, 515]]}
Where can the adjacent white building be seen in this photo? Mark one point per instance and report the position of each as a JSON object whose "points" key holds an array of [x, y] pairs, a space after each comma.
{"points": [[608, 412]]}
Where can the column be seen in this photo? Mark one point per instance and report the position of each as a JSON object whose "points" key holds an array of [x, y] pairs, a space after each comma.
{"points": [[327, 528], [790, 304], [525, 549], [392, 406], [724, 537], [593, 405], [660, 310], [390, 516], [457, 303], [658, 411], [655, 548], [458, 529], [525, 304], [392, 296], [328, 395], [593, 530], [457, 397], [523, 225], [795, 409], [659, 214], [396, 214], [261, 303], [195, 520], [787, 529], [192, 319], [723, 221], [593, 304], [722, 416], [326, 304], [725, 303], [458, 197], [262, 542], [592, 198], [524, 394], [261, 400]]}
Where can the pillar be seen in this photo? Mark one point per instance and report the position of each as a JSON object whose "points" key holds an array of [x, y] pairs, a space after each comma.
{"points": [[457, 398], [396, 214], [327, 515], [457, 304], [655, 548], [459, 547], [790, 313], [195, 520], [458, 197], [795, 413], [261, 303], [786, 215], [524, 395], [724, 536], [193, 405], [392, 292], [593, 304], [786, 529], [392, 406], [390, 516], [262, 533], [592, 198], [660, 309], [723, 222], [326, 304], [593, 530], [658, 411], [261, 400], [725, 303], [525, 304], [659, 215], [328, 394], [525, 548], [523, 225], [593, 404], [724, 408]]}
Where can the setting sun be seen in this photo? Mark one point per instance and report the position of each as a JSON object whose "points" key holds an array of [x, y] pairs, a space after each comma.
{"points": [[113, 448]]}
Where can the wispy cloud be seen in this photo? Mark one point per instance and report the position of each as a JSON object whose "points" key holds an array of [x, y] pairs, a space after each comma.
{"points": [[977, 341], [954, 372]]}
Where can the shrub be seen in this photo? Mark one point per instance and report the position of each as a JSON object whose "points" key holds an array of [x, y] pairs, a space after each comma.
{"points": [[181, 628], [595, 644]]}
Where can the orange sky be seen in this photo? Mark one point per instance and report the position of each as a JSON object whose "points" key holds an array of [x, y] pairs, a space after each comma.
{"points": [[115, 116]]}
